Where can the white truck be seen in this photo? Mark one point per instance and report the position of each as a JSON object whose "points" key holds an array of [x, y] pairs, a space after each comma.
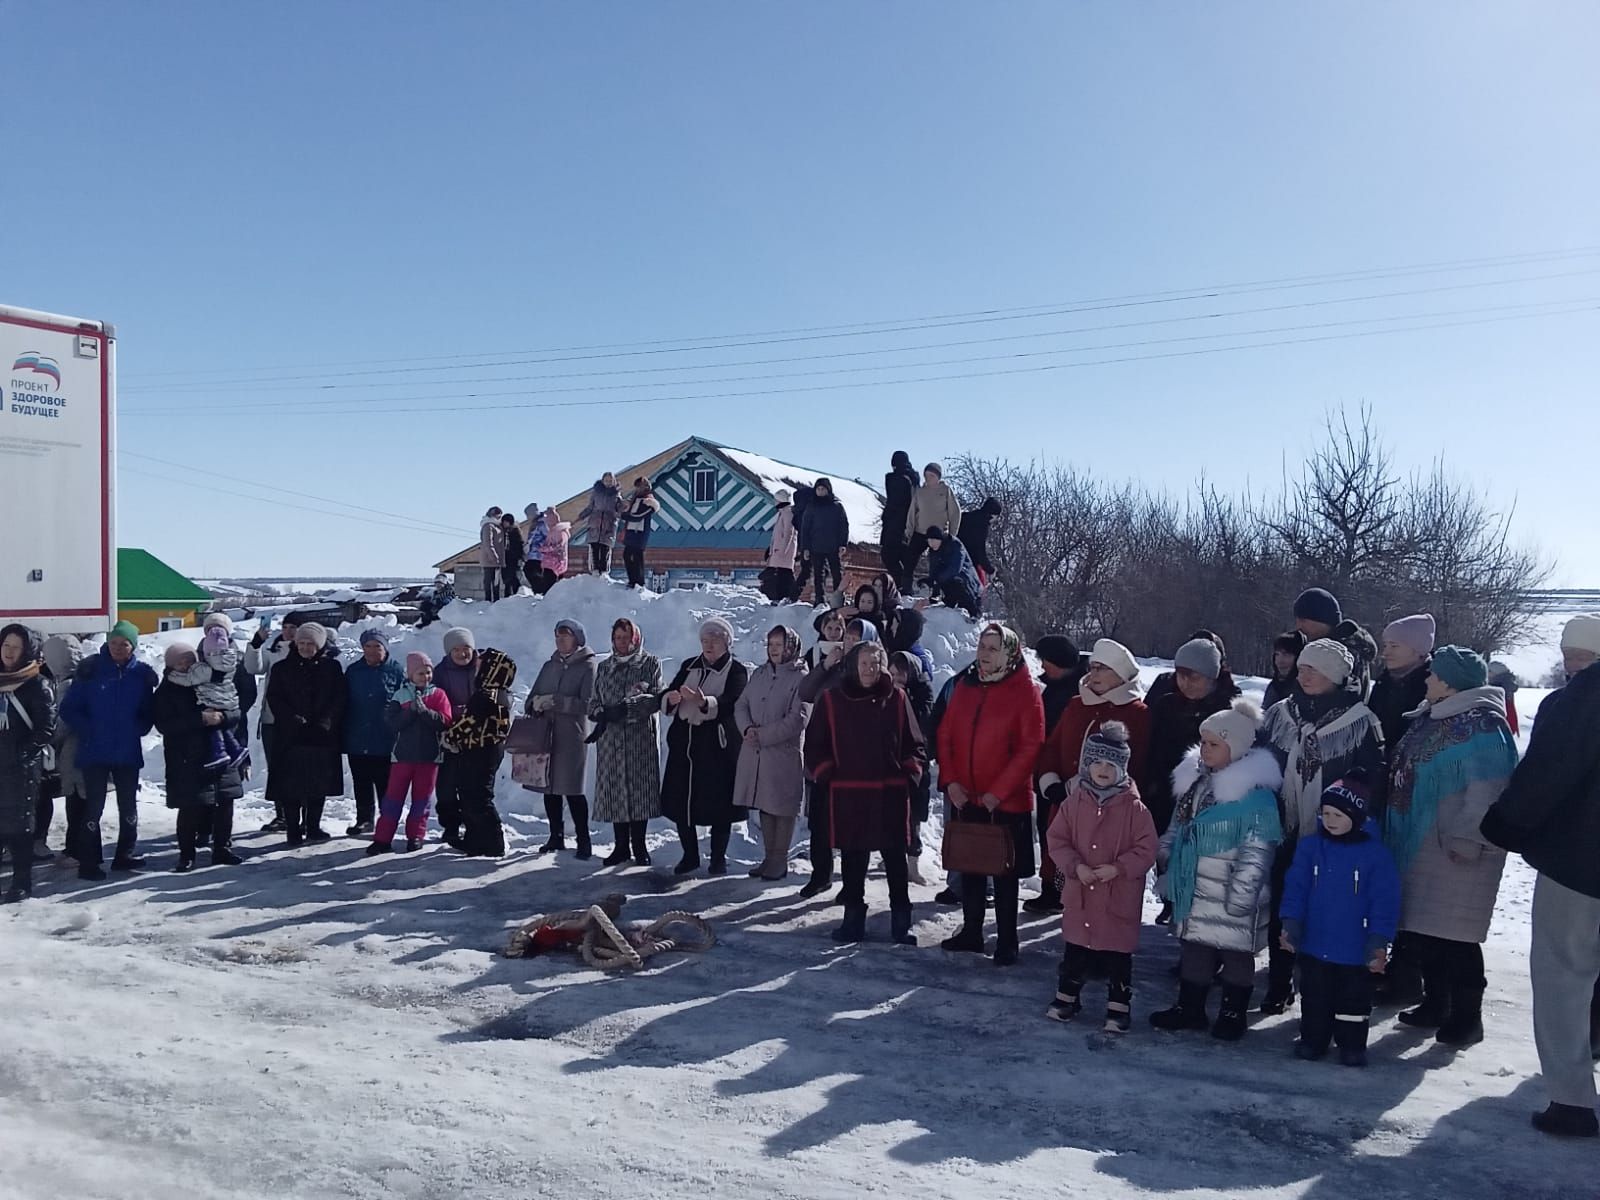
{"points": [[58, 512]]}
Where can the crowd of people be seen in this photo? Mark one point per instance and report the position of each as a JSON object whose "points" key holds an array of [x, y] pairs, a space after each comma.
{"points": [[1355, 830], [811, 530]]}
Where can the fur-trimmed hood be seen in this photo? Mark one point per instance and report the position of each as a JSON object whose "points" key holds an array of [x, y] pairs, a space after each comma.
{"points": [[1257, 769]]}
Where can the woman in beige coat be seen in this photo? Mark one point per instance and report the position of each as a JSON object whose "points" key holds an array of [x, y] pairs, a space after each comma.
{"points": [[771, 776], [1454, 760]]}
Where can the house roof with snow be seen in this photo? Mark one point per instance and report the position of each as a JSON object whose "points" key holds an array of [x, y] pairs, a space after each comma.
{"points": [[718, 497]]}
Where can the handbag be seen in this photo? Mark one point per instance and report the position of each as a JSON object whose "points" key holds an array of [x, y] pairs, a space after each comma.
{"points": [[979, 848], [530, 735]]}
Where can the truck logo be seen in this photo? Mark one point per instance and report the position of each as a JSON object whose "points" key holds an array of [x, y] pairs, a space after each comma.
{"points": [[40, 365]]}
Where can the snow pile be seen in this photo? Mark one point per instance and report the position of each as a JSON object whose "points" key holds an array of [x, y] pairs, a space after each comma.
{"points": [[524, 626], [862, 504]]}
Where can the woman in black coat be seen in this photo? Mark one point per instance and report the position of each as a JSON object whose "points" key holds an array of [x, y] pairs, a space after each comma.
{"points": [[27, 727], [306, 693], [703, 744], [203, 797]]}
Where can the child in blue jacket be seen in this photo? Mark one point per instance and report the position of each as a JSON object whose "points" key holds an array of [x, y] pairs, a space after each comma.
{"points": [[1341, 902]]}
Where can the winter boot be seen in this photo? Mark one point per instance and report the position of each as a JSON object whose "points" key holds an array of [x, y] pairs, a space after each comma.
{"points": [[413, 845], [949, 898], [1433, 1012], [1464, 1026], [720, 835], [1567, 1120], [1350, 1035], [776, 866], [768, 841], [378, 848], [359, 829], [1119, 1009], [854, 926], [1306, 1051], [1164, 917], [1189, 1013], [1042, 904], [558, 834], [965, 941], [641, 849], [91, 872], [579, 807], [619, 848], [1280, 984], [1065, 1007], [183, 866], [224, 857], [42, 852], [314, 830], [16, 894], [1230, 1022], [276, 825], [818, 885], [914, 870], [690, 862], [900, 926]]}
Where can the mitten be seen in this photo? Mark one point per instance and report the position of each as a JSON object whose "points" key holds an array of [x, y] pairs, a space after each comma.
{"points": [[1056, 792]]}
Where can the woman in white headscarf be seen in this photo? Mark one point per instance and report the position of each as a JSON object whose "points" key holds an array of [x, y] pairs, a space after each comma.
{"points": [[703, 747]]}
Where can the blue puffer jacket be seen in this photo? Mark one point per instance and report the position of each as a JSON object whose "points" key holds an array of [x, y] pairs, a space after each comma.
{"points": [[109, 709], [825, 528], [1341, 901], [369, 688]]}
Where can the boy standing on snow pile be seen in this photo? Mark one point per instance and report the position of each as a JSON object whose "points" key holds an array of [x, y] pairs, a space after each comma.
{"points": [[212, 680], [1103, 841], [1341, 903]]}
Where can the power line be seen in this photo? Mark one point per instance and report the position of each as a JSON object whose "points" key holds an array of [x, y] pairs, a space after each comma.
{"points": [[401, 521], [1586, 304], [874, 328], [1216, 315]]}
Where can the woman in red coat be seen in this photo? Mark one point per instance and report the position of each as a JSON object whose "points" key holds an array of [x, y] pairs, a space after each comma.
{"points": [[863, 746], [1109, 691], [989, 739]]}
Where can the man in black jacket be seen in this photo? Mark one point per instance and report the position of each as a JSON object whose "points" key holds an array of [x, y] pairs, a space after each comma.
{"points": [[1550, 814], [899, 486], [974, 536]]}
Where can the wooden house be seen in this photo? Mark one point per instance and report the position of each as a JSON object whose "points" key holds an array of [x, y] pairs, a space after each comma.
{"points": [[155, 597], [718, 505]]}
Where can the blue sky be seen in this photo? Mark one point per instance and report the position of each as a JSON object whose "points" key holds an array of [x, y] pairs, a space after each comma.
{"points": [[312, 189]]}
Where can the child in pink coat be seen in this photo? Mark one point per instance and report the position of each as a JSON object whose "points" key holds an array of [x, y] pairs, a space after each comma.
{"points": [[1103, 840], [419, 713]]}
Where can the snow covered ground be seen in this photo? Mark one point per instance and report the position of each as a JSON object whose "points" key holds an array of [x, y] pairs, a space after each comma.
{"points": [[316, 1024]]}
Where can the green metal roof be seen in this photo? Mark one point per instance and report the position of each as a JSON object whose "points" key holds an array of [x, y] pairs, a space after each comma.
{"points": [[142, 578]]}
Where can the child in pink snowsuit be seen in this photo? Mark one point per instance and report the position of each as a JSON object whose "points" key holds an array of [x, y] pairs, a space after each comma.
{"points": [[1103, 841], [418, 713]]}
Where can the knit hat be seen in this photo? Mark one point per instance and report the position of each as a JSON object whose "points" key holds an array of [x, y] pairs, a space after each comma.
{"points": [[1058, 650], [1416, 632], [312, 632], [1351, 796], [784, 496], [1108, 744], [218, 620], [1116, 656], [417, 660], [935, 468], [1200, 656], [1236, 726], [1318, 604], [1290, 643], [369, 636], [177, 655], [459, 637], [1459, 668], [126, 630], [935, 533], [1328, 657], [1582, 633], [573, 628], [717, 627]]}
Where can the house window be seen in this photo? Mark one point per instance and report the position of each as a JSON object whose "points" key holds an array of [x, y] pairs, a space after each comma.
{"points": [[168, 624], [705, 485]]}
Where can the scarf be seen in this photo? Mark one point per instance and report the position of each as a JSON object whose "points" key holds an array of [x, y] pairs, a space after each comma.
{"points": [[1203, 828], [1013, 648], [1311, 732], [1461, 740], [1125, 693], [1103, 795], [791, 642], [10, 681]]}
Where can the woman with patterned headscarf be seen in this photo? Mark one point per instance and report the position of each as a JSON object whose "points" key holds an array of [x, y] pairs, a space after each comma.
{"points": [[627, 756], [989, 738], [703, 747], [771, 777], [478, 738]]}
